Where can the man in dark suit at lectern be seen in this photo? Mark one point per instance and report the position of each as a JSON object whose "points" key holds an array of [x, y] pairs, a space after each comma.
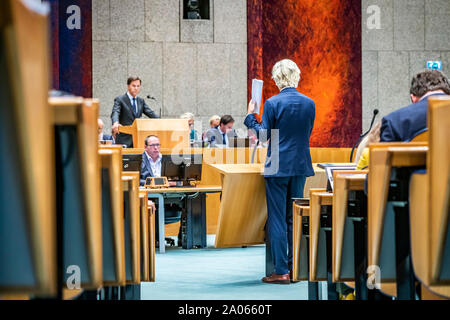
{"points": [[127, 108], [287, 120]]}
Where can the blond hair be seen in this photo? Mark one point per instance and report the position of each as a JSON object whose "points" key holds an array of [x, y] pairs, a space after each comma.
{"points": [[213, 118], [187, 115], [286, 73]]}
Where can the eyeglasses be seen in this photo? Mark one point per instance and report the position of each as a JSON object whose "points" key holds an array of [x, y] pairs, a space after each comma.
{"points": [[155, 145]]}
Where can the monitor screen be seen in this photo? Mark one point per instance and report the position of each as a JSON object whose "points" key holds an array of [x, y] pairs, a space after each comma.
{"points": [[131, 162], [185, 166]]}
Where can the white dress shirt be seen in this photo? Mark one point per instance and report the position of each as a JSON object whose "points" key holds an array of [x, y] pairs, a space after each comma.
{"points": [[225, 143], [156, 166]]}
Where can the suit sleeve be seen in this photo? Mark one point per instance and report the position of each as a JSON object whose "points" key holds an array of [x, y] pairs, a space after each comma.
{"points": [[149, 112], [262, 130], [115, 114], [387, 133]]}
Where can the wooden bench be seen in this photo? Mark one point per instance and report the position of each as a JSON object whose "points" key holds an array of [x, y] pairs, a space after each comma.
{"points": [[429, 207], [112, 221], [389, 168], [78, 189], [145, 237], [28, 265], [350, 232]]}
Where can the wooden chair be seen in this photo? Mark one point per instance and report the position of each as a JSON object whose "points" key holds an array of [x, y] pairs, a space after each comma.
{"points": [[349, 235], [429, 207], [130, 189], [152, 239], [320, 245], [388, 162], [300, 245], [145, 237], [112, 217], [78, 189], [27, 220]]}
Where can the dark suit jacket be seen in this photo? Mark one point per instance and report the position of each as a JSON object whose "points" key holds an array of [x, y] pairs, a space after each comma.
{"points": [[107, 137], [123, 113], [293, 115], [146, 170], [405, 123], [214, 136]]}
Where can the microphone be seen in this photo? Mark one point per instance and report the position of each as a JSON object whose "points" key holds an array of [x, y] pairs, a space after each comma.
{"points": [[375, 112], [150, 97]]}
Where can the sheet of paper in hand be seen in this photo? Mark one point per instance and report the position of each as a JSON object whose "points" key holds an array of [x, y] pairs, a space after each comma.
{"points": [[257, 86]]}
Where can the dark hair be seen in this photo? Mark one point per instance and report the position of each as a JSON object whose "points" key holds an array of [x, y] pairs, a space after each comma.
{"points": [[226, 119], [148, 137], [429, 80], [131, 79]]}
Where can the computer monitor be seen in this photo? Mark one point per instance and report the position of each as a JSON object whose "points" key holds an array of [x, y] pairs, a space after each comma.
{"points": [[131, 162], [183, 167]]}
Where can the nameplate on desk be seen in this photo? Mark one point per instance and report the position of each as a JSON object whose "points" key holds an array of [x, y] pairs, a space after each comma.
{"points": [[156, 182]]}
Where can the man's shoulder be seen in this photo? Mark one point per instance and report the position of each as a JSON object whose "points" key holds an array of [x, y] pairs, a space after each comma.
{"points": [[409, 110], [121, 97], [292, 94]]}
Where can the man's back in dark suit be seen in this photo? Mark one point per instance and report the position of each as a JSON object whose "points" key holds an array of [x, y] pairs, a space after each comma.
{"points": [[292, 114], [405, 123]]}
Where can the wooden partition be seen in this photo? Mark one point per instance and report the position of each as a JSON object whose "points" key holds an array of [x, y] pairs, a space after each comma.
{"points": [[112, 217], [27, 203], [172, 133], [300, 243], [75, 121], [343, 231], [384, 156], [145, 237], [317, 236], [130, 186], [429, 207]]}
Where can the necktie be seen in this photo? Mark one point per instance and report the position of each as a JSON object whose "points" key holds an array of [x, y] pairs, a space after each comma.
{"points": [[223, 138], [134, 107]]}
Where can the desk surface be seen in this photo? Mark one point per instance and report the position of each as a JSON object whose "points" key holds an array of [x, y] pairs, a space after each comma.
{"points": [[239, 168], [198, 188]]}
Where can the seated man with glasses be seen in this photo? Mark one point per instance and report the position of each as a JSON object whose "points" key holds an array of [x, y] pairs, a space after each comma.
{"points": [[151, 159], [151, 167]]}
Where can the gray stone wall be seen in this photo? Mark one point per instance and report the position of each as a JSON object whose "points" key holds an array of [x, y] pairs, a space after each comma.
{"points": [[197, 66], [412, 32]]}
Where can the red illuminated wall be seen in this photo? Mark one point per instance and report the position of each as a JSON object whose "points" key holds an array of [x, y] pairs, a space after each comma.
{"points": [[324, 38]]}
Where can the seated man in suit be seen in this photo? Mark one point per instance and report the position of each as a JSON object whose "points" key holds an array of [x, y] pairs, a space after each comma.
{"points": [[151, 167], [220, 135], [101, 135], [404, 124], [127, 108]]}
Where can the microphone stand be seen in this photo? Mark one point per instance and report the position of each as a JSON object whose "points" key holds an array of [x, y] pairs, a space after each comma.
{"points": [[375, 112]]}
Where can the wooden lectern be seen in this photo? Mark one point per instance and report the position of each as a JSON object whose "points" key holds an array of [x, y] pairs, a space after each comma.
{"points": [[171, 132]]}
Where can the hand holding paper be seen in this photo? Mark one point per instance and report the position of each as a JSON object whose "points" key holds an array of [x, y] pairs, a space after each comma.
{"points": [[257, 86]]}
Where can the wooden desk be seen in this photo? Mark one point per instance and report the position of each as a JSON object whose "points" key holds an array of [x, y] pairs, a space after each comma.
{"points": [[243, 210], [112, 218], [28, 254], [300, 243], [193, 218], [130, 187], [349, 231], [317, 249], [386, 161]]}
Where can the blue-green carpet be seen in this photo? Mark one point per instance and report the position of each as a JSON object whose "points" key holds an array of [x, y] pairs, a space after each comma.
{"points": [[216, 274]]}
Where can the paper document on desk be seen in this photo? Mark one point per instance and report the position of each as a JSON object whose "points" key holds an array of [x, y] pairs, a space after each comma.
{"points": [[257, 86]]}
